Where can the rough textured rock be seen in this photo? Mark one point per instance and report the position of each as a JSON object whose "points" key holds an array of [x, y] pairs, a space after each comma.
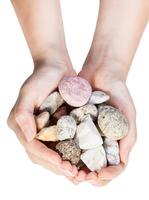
{"points": [[94, 159], [98, 97], [87, 135], [112, 151], [112, 123], [42, 120], [69, 150], [48, 134], [52, 102], [66, 127], [75, 91], [79, 114]]}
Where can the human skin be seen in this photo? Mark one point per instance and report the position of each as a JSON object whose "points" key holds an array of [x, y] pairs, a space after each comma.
{"points": [[119, 28], [43, 29], [106, 67]]}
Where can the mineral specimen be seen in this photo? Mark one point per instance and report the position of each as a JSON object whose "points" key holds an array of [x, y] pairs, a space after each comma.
{"points": [[70, 151], [87, 134], [79, 114], [48, 134], [94, 159], [112, 123], [112, 151], [52, 102], [42, 120], [66, 127], [75, 91], [98, 97]]}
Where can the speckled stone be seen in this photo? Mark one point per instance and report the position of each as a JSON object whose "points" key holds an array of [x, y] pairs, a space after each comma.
{"points": [[75, 90], [112, 151], [98, 97], [66, 127], [70, 151], [42, 120], [79, 114], [95, 159], [112, 123], [87, 135], [52, 102], [48, 134]]}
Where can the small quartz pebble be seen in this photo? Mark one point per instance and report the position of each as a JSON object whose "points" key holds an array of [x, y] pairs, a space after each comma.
{"points": [[87, 134], [79, 114], [95, 159], [75, 91], [52, 102], [98, 97], [66, 127], [112, 151], [42, 120], [48, 134], [69, 150], [112, 123]]}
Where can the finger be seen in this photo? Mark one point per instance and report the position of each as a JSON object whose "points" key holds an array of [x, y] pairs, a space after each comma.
{"points": [[37, 160], [111, 172], [23, 113], [67, 167], [127, 143], [81, 176]]}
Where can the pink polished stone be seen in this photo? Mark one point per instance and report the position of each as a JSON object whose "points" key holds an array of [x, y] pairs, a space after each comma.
{"points": [[75, 91]]}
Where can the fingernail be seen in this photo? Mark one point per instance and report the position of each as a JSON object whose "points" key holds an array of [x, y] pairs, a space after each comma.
{"points": [[69, 174], [29, 135], [125, 159]]}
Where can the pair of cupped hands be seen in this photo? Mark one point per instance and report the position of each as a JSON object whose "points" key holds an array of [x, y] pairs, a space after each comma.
{"points": [[38, 86]]}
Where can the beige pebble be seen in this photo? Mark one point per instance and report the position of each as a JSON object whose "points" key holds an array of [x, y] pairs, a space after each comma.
{"points": [[79, 114], [52, 102], [112, 123], [42, 120], [98, 97], [48, 134]]}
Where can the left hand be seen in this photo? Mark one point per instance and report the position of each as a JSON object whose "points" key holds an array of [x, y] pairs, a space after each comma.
{"points": [[121, 99]]}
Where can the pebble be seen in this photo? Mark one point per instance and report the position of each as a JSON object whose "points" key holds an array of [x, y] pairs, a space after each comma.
{"points": [[52, 102], [61, 111], [75, 90], [98, 97], [69, 150], [42, 120], [112, 123], [66, 127], [79, 114], [48, 134], [95, 159], [87, 135], [112, 151]]}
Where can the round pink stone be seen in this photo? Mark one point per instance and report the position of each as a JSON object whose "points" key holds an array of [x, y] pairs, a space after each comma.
{"points": [[75, 91]]}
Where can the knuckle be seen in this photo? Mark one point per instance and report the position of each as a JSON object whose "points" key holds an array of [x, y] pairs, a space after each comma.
{"points": [[19, 114]]}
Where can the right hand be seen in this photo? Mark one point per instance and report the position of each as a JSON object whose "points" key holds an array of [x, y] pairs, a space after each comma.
{"points": [[21, 119]]}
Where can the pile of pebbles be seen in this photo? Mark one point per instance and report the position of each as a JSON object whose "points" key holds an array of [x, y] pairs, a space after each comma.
{"points": [[79, 124]]}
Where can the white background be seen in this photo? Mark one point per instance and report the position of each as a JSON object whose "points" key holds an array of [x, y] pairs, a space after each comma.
{"points": [[19, 178]]}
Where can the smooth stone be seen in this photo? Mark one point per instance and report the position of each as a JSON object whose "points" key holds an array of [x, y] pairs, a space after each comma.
{"points": [[52, 102], [79, 114], [70, 151], [112, 151], [113, 124], [75, 90], [61, 111], [48, 134], [42, 120], [66, 127], [87, 134], [98, 97], [95, 159]]}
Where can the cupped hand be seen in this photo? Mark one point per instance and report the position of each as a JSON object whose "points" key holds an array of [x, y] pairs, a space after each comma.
{"points": [[36, 88], [121, 99]]}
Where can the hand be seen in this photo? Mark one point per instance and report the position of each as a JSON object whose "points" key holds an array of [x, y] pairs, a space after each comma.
{"points": [[36, 88], [121, 99]]}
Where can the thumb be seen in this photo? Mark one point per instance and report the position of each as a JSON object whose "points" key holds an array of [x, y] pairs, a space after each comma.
{"points": [[24, 117]]}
